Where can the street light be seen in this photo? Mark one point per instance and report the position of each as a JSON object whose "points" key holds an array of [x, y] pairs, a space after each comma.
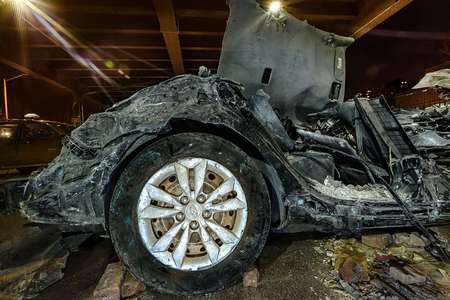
{"points": [[5, 92]]}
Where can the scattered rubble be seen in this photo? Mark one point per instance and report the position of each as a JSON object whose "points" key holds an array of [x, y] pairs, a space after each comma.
{"points": [[410, 240], [32, 258], [387, 266], [11, 191], [379, 241], [353, 271], [116, 283], [30, 262], [109, 286], [131, 287], [406, 275], [251, 278]]}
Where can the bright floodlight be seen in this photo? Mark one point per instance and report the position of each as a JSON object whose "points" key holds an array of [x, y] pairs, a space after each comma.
{"points": [[275, 7], [19, 3]]}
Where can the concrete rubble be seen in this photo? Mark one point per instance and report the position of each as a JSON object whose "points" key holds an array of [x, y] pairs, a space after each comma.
{"points": [[387, 266], [131, 287], [32, 258], [116, 283], [30, 261], [108, 288], [251, 278]]}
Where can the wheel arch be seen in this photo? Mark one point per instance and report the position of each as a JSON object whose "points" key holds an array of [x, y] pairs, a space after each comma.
{"points": [[178, 126]]}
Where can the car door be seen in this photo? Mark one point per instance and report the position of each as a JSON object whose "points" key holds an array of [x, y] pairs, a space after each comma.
{"points": [[39, 144], [8, 144]]}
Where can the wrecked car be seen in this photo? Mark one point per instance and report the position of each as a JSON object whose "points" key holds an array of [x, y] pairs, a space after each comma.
{"points": [[188, 176]]}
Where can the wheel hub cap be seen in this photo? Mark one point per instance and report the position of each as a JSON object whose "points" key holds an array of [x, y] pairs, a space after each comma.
{"points": [[193, 211], [192, 214]]}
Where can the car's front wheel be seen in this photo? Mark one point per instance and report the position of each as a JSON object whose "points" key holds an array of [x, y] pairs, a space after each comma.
{"points": [[189, 214]]}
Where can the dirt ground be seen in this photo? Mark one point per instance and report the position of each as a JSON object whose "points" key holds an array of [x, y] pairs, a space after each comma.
{"points": [[292, 266], [289, 268]]}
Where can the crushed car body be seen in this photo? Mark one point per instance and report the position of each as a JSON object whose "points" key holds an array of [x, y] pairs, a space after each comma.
{"points": [[74, 189], [328, 165]]}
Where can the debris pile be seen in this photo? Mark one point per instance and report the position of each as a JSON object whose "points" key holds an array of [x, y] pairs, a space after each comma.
{"points": [[32, 258], [116, 283], [429, 130], [439, 80], [31, 262], [11, 191], [388, 266]]}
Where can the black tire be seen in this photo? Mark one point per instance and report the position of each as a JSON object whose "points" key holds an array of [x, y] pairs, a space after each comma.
{"points": [[123, 225]]}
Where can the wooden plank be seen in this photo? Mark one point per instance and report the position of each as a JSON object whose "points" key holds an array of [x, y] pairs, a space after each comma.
{"points": [[202, 13], [320, 17], [126, 31], [374, 12], [297, 12], [168, 27], [324, 2], [124, 47], [143, 60]]}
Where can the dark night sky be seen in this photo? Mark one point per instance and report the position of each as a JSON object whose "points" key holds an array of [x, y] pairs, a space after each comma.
{"points": [[401, 47]]}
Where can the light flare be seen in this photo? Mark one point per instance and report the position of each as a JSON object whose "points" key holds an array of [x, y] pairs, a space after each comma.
{"points": [[275, 7], [58, 35]]}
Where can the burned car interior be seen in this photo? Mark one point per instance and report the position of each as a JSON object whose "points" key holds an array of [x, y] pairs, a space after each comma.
{"points": [[175, 173]]}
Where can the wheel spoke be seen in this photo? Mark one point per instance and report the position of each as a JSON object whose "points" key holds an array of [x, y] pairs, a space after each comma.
{"points": [[211, 247], [199, 173], [183, 178], [159, 195], [223, 189], [224, 234], [231, 204], [180, 251], [155, 212], [164, 242], [186, 200]]}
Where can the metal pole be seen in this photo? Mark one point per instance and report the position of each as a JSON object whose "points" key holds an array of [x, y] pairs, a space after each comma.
{"points": [[5, 94]]}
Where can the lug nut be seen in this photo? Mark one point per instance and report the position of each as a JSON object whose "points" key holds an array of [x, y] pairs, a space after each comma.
{"points": [[179, 216], [184, 200], [201, 199], [194, 225], [206, 214]]}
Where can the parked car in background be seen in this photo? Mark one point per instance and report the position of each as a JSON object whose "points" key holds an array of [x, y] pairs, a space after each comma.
{"points": [[30, 143]]}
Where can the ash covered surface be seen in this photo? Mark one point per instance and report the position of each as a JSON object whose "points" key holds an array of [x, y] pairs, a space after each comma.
{"points": [[71, 189], [353, 192]]}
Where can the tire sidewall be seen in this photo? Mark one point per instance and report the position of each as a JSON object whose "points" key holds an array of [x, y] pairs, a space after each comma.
{"points": [[123, 223]]}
